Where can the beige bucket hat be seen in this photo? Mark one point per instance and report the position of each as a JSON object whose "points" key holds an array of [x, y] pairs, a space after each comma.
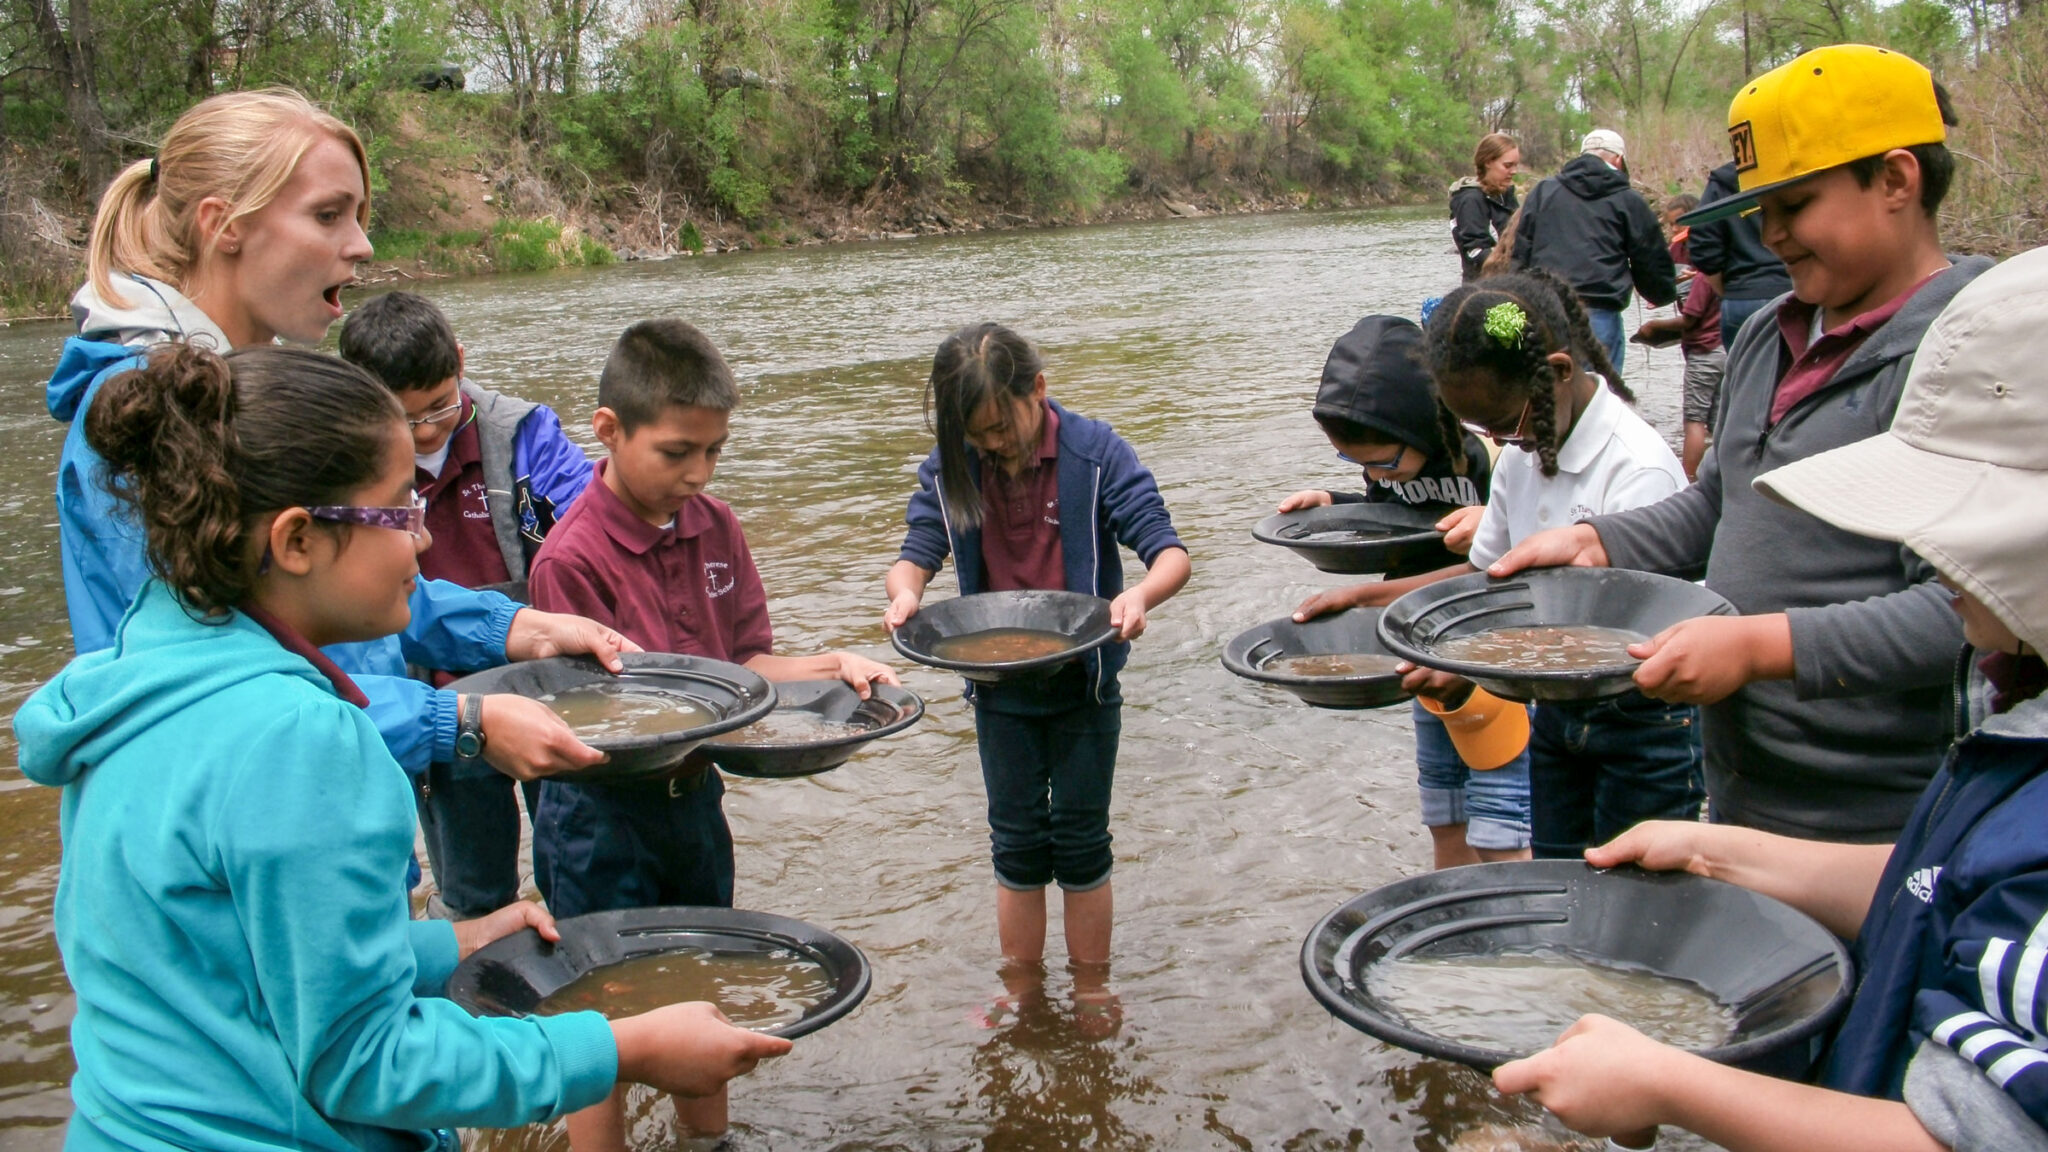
{"points": [[1962, 477]]}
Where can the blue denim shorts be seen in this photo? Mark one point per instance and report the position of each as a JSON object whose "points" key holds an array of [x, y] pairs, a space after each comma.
{"points": [[1493, 806]]}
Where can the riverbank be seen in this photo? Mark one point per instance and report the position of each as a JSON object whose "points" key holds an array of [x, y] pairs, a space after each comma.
{"points": [[459, 190]]}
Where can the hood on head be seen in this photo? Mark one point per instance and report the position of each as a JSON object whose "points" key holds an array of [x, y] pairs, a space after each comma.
{"points": [[1590, 178], [162, 661], [1375, 376]]}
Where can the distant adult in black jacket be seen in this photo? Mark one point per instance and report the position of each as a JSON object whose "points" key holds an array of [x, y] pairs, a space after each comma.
{"points": [[1598, 235], [1731, 253], [1483, 203]]}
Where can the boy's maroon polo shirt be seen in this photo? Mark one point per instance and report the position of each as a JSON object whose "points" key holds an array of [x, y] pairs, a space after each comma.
{"points": [[689, 588], [465, 549], [1812, 367], [1020, 520]]}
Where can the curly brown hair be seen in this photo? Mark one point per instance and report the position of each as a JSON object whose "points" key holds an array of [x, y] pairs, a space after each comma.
{"points": [[203, 446]]}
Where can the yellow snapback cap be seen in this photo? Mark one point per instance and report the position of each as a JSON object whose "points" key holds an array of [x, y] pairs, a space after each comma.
{"points": [[1824, 109]]}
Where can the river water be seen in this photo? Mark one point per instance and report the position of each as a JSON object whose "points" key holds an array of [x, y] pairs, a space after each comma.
{"points": [[1240, 816]]}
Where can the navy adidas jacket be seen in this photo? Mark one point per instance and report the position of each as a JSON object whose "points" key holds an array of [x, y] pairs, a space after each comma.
{"points": [[1953, 949], [1107, 498]]}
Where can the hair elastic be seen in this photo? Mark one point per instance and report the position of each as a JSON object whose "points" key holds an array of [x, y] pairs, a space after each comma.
{"points": [[1506, 322], [152, 169]]}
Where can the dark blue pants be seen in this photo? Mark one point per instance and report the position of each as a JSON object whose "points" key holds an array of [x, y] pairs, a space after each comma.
{"points": [[1596, 769], [470, 821], [600, 847], [1048, 755], [1734, 314]]}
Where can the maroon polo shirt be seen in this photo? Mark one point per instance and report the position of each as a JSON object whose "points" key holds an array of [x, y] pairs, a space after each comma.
{"points": [[1020, 520], [291, 641], [465, 549], [1812, 367], [690, 588]]}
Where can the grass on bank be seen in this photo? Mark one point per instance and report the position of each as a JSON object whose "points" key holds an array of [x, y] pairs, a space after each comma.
{"points": [[509, 246]]}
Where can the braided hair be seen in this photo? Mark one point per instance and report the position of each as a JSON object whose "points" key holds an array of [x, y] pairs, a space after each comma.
{"points": [[1472, 331]]}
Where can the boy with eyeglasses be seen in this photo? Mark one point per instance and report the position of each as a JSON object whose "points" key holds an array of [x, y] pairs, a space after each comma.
{"points": [[493, 471]]}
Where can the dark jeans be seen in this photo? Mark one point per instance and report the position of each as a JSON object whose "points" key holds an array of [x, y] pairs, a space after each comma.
{"points": [[470, 821], [1607, 329], [600, 847], [1734, 314], [1048, 755], [1598, 768]]}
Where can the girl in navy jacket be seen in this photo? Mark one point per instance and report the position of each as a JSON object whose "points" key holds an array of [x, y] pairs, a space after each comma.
{"points": [[1023, 493]]}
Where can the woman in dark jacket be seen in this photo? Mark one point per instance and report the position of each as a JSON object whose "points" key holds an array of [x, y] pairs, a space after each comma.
{"points": [[1482, 204]]}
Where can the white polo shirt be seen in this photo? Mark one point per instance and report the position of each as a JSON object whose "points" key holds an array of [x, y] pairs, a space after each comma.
{"points": [[1613, 461]]}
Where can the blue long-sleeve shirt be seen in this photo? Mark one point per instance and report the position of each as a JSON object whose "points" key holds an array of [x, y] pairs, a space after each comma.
{"points": [[452, 628]]}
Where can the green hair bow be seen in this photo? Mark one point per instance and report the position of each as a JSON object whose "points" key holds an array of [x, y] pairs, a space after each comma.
{"points": [[1506, 322]]}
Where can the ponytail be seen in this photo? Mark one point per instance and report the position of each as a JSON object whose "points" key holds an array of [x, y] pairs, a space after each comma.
{"points": [[1470, 331], [202, 446], [241, 147]]}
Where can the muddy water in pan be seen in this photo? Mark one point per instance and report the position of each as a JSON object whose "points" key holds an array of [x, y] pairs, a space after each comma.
{"points": [[1001, 646], [1240, 816], [613, 711], [1543, 647], [1335, 664], [792, 727], [753, 989], [1519, 1002]]}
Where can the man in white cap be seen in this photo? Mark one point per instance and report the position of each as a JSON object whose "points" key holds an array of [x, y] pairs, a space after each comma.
{"points": [[1597, 234], [1945, 1041]]}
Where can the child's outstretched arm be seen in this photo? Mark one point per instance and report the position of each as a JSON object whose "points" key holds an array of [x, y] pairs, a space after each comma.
{"points": [[1604, 1079], [1168, 574], [851, 667], [905, 584], [689, 1049], [1372, 594]]}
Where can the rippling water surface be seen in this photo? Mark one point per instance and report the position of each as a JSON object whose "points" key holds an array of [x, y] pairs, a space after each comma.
{"points": [[1240, 818]]}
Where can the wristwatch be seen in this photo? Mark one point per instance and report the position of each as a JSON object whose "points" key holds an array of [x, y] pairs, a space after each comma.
{"points": [[469, 728]]}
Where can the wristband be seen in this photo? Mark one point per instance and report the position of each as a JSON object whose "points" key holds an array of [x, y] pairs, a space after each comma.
{"points": [[469, 728]]}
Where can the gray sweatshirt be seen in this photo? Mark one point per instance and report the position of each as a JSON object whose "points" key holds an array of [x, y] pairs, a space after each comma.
{"points": [[1841, 751]]}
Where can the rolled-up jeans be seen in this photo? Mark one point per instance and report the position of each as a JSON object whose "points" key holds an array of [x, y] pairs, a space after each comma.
{"points": [[1048, 758]]}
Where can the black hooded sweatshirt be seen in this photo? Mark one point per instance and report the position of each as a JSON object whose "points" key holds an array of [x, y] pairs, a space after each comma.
{"points": [[1375, 377], [1597, 234], [1734, 248], [1477, 221]]}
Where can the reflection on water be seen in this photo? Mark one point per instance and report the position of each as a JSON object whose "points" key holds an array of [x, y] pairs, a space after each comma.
{"points": [[1241, 815]]}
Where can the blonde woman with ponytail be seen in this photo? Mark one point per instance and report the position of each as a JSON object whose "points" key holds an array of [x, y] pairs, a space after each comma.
{"points": [[241, 231]]}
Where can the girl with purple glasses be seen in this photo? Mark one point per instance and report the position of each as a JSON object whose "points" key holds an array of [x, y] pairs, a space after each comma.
{"points": [[232, 820]]}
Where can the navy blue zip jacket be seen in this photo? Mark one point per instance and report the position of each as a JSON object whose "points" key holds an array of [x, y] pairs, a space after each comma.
{"points": [[1954, 945], [1099, 473]]}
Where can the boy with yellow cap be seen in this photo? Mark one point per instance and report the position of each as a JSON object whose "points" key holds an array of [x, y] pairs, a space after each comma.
{"points": [[1826, 702], [1942, 1045]]}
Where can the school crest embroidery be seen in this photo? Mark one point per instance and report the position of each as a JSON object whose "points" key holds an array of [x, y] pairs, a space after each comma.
{"points": [[717, 578]]}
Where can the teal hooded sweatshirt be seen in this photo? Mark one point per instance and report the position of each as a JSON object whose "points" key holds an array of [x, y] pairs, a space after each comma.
{"points": [[247, 973]]}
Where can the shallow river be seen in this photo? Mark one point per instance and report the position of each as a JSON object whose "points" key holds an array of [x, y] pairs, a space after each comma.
{"points": [[1241, 816]]}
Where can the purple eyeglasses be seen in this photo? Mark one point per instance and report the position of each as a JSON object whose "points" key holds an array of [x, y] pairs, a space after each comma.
{"points": [[411, 518]]}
